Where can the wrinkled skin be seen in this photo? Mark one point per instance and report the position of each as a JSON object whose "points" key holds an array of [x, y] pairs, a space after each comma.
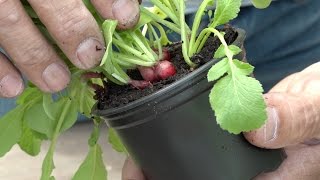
{"points": [[73, 28], [293, 124]]}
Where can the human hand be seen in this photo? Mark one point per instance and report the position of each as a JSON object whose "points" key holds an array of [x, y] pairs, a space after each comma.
{"points": [[293, 124], [73, 28]]}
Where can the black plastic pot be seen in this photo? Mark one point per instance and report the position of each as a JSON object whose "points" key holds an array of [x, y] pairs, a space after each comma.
{"points": [[173, 135]]}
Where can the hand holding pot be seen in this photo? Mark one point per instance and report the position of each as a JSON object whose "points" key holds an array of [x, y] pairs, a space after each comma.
{"points": [[293, 123], [73, 28]]}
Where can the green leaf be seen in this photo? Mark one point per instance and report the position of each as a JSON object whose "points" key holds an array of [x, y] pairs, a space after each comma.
{"points": [[53, 110], [115, 141], [145, 18], [218, 70], [238, 103], [10, 129], [94, 136], [29, 94], [226, 10], [48, 166], [37, 119], [30, 141], [243, 68], [220, 52], [235, 49], [71, 115], [93, 167], [47, 106], [86, 101], [261, 4], [108, 27]]}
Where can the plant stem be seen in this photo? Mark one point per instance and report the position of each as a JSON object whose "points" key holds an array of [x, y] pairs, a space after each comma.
{"points": [[141, 45], [119, 57], [184, 37], [157, 41], [166, 23], [132, 50], [151, 38], [164, 38], [57, 131], [195, 26], [227, 51], [166, 10]]}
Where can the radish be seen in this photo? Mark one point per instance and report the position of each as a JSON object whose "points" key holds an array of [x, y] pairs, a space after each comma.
{"points": [[148, 73], [165, 69], [162, 70]]}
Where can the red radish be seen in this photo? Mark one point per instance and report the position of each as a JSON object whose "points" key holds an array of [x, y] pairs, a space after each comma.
{"points": [[165, 69], [139, 84], [148, 73]]}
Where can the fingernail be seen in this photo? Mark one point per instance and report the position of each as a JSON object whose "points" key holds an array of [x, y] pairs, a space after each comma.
{"points": [[126, 12], [312, 142], [89, 53], [11, 86], [271, 127], [56, 76]]}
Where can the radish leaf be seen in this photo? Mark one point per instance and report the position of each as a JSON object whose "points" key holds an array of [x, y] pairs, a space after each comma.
{"points": [[238, 103], [226, 10], [261, 4], [220, 51], [92, 167], [30, 141], [10, 129], [218, 70], [115, 141], [109, 26]]}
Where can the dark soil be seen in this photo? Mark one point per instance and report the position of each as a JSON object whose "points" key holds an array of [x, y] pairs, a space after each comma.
{"points": [[116, 96]]}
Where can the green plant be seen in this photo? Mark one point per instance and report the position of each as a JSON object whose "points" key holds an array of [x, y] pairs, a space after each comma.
{"points": [[234, 89]]}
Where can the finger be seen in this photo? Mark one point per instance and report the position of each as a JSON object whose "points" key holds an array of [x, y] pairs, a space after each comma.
{"points": [[291, 120], [293, 111], [29, 50], [74, 29], [301, 163], [11, 83], [283, 85], [127, 12], [302, 81], [131, 172]]}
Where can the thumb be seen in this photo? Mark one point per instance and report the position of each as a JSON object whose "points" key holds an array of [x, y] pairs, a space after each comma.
{"points": [[130, 171], [292, 119]]}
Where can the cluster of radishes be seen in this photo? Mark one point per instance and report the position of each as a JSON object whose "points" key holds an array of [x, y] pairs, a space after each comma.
{"points": [[162, 70]]}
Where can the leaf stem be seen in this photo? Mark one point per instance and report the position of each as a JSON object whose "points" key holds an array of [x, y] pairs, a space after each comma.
{"points": [[132, 50], [132, 60], [141, 45], [166, 23], [56, 134], [157, 40], [184, 37], [228, 52], [166, 10], [195, 26]]}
